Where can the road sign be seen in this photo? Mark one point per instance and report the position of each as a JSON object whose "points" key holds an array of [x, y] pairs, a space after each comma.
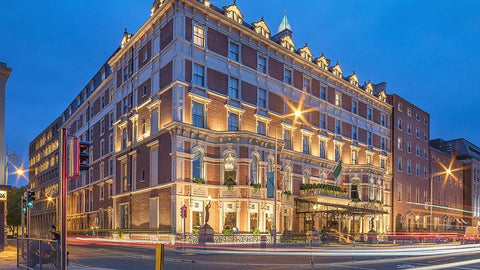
{"points": [[3, 195]]}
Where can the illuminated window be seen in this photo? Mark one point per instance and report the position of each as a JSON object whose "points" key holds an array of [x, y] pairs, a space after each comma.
{"points": [[323, 152], [338, 99], [198, 115], [198, 35], [254, 170], [287, 137], [197, 164], [354, 156], [261, 128], [306, 144]]}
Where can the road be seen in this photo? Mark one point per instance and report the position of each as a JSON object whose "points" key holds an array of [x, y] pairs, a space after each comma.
{"points": [[113, 256]]}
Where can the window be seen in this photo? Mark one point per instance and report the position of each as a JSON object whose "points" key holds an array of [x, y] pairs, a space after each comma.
{"points": [[369, 138], [111, 94], [102, 148], [110, 143], [425, 136], [425, 121], [102, 126], [233, 122], [233, 88], [354, 133], [125, 105], [262, 98], [354, 107], [369, 159], [338, 129], [306, 85], [382, 143], [144, 126], [230, 167], [382, 163], [399, 107], [399, 164], [417, 151], [306, 177], [399, 192], [102, 192], [323, 93], [110, 168], [198, 75], [261, 128], [322, 149], [382, 120], [399, 124], [144, 91], [233, 51], [399, 143], [306, 144], [417, 169], [409, 147], [409, 131], [337, 152], [124, 139], [409, 167], [124, 177], [198, 35], [102, 102], [417, 133], [197, 164], [425, 154], [287, 137], [409, 112], [338, 99], [110, 117], [262, 64], [417, 116], [369, 114], [323, 121], [288, 76], [425, 172], [198, 115], [254, 169], [354, 156]]}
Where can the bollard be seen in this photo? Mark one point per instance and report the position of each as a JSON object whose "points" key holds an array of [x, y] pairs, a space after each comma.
{"points": [[159, 257]]}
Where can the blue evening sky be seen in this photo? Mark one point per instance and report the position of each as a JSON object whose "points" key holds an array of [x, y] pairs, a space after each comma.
{"points": [[427, 52]]}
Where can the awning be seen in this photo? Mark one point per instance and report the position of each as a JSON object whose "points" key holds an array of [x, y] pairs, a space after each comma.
{"points": [[458, 220], [463, 221]]}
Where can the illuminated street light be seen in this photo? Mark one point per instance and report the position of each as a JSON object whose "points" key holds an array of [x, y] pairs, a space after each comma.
{"points": [[20, 171]]}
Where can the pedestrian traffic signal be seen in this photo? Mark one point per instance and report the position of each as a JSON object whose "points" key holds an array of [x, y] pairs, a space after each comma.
{"points": [[84, 156]]}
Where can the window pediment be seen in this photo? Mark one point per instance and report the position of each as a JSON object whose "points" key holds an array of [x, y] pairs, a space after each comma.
{"points": [[382, 96]]}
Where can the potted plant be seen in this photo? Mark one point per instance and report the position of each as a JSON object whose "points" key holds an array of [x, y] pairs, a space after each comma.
{"points": [[256, 186], [198, 180]]}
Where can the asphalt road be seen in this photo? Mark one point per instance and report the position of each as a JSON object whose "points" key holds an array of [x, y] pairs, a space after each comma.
{"points": [[134, 257]]}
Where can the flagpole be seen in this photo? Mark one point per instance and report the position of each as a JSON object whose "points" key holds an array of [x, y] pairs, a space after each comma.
{"points": [[275, 194]]}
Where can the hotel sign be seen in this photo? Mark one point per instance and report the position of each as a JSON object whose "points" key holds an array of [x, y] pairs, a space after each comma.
{"points": [[3, 195]]}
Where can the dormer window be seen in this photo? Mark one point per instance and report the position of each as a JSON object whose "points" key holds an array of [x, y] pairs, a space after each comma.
{"points": [[261, 28], [305, 53], [369, 88], [287, 43], [234, 13], [353, 79], [322, 62], [337, 70]]}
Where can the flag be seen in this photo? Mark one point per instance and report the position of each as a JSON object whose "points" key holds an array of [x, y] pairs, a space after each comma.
{"points": [[270, 185], [337, 170]]}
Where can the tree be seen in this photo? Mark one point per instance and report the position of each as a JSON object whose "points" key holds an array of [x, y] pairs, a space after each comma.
{"points": [[14, 205]]}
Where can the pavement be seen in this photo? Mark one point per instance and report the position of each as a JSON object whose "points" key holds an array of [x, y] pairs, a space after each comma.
{"points": [[8, 259]]}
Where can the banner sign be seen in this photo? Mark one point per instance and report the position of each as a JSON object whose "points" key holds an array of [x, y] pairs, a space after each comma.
{"points": [[270, 185]]}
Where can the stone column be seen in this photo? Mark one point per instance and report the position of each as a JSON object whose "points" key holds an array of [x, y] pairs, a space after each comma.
{"points": [[4, 74]]}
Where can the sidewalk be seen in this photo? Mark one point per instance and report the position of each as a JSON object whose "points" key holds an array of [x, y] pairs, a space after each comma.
{"points": [[8, 259]]}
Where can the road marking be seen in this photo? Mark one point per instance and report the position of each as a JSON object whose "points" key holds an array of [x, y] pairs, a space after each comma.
{"points": [[449, 265]]}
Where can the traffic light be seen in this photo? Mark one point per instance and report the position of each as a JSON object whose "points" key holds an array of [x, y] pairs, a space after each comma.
{"points": [[24, 204], [183, 211], [30, 198], [84, 156]]}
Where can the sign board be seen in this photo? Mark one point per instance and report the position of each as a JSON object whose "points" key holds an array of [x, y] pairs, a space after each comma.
{"points": [[270, 185], [3, 195]]}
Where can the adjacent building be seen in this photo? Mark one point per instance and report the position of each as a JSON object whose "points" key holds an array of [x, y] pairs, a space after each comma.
{"points": [[410, 153]]}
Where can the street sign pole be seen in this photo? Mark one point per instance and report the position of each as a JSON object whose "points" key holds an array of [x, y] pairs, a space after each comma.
{"points": [[63, 198]]}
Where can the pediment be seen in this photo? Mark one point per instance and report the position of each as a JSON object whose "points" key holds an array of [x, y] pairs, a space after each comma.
{"points": [[337, 70], [368, 88], [234, 13], [305, 52], [261, 28], [287, 42], [322, 62], [353, 79]]}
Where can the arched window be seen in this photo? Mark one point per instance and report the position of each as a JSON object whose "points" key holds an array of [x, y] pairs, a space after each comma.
{"points": [[270, 165], [254, 170], [287, 182], [144, 126], [197, 164], [230, 168], [305, 177]]}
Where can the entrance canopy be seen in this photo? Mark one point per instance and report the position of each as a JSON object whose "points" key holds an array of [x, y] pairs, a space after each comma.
{"points": [[338, 206]]}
